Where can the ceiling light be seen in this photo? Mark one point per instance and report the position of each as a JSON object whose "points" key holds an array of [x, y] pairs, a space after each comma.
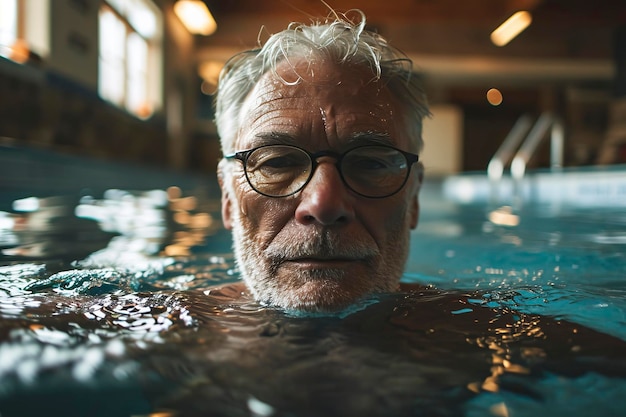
{"points": [[512, 27], [196, 17]]}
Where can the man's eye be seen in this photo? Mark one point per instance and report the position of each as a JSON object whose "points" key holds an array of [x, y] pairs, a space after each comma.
{"points": [[369, 164], [280, 162], [268, 159]]}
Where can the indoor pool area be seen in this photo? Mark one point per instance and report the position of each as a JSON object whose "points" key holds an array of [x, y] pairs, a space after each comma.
{"points": [[210, 208], [107, 309]]}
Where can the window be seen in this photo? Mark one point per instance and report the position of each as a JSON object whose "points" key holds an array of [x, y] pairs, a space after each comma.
{"points": [[8, 26], [24, 29], [130, 55]]}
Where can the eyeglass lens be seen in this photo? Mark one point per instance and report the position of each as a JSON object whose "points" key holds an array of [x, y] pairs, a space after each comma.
{"points": [[282, 170]]}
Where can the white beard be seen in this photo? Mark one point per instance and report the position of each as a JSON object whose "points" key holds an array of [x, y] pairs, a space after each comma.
{"points": [[318, 289]]}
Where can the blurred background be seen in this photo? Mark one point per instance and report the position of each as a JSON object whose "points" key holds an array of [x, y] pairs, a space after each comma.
{"points": [[130, 81]]}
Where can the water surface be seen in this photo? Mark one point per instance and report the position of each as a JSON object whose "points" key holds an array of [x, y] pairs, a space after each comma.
{"points": [[108, 307]]}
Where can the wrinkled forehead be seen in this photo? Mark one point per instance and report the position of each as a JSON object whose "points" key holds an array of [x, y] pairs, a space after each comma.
{"points": [[322, 77], [351, 93]]}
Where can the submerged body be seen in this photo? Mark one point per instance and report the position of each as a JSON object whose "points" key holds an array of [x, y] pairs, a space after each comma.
{"points": [[218, 352]]}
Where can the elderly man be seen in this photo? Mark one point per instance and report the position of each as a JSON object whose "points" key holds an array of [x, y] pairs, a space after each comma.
{"points": [[321, 130]]}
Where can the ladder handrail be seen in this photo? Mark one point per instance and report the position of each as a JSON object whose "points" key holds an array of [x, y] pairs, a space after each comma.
{"points": [[529, 143], [504, 154], [533, 140]]}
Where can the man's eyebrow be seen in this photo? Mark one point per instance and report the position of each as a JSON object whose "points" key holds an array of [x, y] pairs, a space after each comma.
{"points": [[358, 138], [274, 138], [377, 138]]}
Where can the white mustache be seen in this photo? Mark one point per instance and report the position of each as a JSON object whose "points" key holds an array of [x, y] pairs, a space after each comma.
{"points": [[323, 244]]}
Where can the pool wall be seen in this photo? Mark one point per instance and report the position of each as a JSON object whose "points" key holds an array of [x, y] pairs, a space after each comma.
{"points": [[33, 170], [584, 187]]}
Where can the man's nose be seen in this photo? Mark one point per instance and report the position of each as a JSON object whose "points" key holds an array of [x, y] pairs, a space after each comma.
{"points": [[325, 199]]}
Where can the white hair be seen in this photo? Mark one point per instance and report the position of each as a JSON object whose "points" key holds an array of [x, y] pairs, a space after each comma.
{"points": [[339, 38]]}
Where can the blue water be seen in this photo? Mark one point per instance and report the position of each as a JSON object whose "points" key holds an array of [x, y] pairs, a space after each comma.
{"points": [[106, 310], [566, 262]]}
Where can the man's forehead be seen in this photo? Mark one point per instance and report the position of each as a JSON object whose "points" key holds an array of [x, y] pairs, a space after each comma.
{"points": [[343, 99], [345, 92]]}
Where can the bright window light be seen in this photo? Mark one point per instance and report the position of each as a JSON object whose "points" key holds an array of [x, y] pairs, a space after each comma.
{"points": [[111, 73], [130, 54], [137, 73], [8, 26]]}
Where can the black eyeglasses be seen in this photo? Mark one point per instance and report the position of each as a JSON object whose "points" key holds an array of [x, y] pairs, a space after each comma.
{"points": [[374, 171]]}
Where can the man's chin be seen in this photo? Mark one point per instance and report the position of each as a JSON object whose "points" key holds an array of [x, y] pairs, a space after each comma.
{"points": [[318, 296]]}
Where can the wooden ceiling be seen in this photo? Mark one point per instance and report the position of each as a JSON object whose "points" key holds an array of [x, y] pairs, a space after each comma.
{"points": [[449, 39]]}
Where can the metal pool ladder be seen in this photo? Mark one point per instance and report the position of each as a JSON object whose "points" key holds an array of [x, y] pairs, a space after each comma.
{"points": [[530, 141]]}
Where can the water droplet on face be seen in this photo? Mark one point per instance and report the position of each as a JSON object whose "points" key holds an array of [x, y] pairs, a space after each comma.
{"points": [[323, 114]]}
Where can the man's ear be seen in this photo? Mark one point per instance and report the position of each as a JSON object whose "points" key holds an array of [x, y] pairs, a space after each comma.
{"points": [[226, 202]]}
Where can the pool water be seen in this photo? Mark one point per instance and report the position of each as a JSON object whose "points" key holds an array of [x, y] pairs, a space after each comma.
{"points": [[108, 307]]}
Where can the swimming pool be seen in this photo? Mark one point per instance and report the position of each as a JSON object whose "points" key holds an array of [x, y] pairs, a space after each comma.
{"points": [[105, 310]]}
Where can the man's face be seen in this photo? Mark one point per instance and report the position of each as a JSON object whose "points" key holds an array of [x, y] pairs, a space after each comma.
{"points": [[325, 247]]}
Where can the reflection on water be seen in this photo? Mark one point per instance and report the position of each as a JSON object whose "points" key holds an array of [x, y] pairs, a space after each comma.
{"points": [[108, 308]]}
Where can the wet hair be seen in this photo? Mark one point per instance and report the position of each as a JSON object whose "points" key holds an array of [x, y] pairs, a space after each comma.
{"points": [[339, 38]]}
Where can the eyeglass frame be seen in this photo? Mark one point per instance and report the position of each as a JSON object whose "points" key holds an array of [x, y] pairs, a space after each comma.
{"points": [[243, 156]]}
